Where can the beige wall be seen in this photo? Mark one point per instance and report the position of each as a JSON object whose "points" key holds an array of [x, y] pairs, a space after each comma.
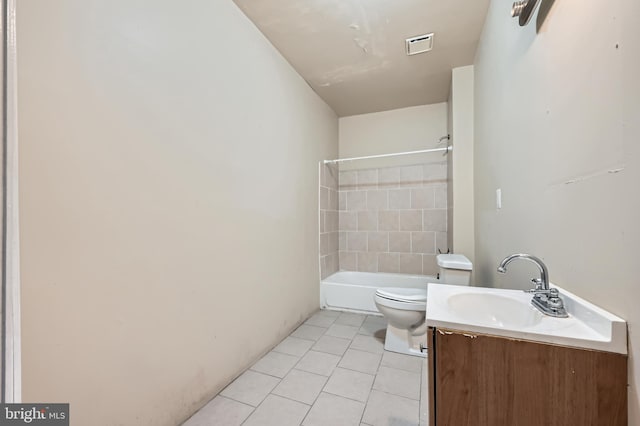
{"points": [[169, 203], [398, 130], [461, 162], [557, 128]]}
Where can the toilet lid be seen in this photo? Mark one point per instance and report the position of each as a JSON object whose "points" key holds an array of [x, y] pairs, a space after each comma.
{"points": [[403, 294]]}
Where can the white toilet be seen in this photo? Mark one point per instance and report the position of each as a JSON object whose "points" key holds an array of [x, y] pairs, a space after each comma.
{"points": [[404, 308]]}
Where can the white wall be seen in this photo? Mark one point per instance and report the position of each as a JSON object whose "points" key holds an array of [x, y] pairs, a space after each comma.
{"points": [[461, 163], [169, 203], [557, 128], [398, 130]]}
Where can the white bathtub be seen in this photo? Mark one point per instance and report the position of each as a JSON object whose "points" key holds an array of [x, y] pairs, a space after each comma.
{"points": [[354, 291]]}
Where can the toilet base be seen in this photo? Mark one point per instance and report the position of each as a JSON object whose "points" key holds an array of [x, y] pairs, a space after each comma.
{"points": [[404, 342]]}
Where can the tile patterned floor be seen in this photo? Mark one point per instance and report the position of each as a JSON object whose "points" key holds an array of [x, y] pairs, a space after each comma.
{"points": [[331, 371]]}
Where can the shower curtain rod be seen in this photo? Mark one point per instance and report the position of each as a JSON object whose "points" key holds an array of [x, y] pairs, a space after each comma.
{"points": [[395, 154]]}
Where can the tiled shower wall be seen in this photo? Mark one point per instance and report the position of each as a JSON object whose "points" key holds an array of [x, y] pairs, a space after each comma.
{"points": [[392, 219], [328, 219]]}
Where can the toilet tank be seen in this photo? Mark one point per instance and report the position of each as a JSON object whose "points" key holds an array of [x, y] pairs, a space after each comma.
{"points": [[454, 269]]}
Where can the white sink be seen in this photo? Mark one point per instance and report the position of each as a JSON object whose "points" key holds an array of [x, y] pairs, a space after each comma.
{"points": [[509, 313], [494, 310]]}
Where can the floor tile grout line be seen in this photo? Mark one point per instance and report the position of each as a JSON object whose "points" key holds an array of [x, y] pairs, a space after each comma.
{"points": [[233, 399], [266, 374], [310, 372], [346, 397], [264, 399]]}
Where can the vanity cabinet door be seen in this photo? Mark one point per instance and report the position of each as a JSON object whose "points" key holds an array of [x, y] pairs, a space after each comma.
{"points": [[481, 380]]}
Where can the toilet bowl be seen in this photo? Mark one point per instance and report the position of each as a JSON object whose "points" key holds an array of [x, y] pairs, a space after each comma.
{"points": [[405, 308]]}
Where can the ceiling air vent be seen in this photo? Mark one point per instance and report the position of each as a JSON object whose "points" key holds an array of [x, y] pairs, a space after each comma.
{"points": [[419, 44]]}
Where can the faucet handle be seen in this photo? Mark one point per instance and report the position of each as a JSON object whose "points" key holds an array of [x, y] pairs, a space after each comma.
{"points": [[537, 282]]}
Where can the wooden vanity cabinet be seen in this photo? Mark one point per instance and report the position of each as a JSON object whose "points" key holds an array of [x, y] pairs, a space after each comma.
{"points": [[482, 380]]}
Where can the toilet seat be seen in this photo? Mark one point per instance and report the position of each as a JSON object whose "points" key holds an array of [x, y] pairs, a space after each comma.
{"points": [[403, 294], [406, 299]]}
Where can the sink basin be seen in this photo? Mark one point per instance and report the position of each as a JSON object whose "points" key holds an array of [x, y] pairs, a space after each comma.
{"points": [[494, 310], [509, 313]]}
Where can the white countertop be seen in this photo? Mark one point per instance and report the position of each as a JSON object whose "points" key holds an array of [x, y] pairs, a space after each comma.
{"points": [[588, 326]]}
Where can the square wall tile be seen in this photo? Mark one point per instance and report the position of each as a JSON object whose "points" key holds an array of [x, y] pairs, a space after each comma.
{"points": [[377, 199], [356, 200], [333, 199], [400, 242], [423, 242], [430, 264], [378, 241], [348, 261], [333, 242], [388, 177], [278, 411], [324, 269], [435, 220], [342, 240], [422, 198], [368, 220], [322, 221], [367, 261], [332, 262], [347, 221], [410, 220], [442, 242], [435, 172], [367, 179], [410, 263], [388, 220], [342, 200], [347, 180], [357, 241], [399, 199], [324, 198], [388, 262], [331, 221], [324, 244], [411, 175], [440, 193]]}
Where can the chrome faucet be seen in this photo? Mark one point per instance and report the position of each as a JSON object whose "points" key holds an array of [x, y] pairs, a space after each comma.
{"points": [[546, 299]]}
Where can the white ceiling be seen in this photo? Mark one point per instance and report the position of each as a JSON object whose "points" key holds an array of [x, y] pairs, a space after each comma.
{"points": [[352, 52]]}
